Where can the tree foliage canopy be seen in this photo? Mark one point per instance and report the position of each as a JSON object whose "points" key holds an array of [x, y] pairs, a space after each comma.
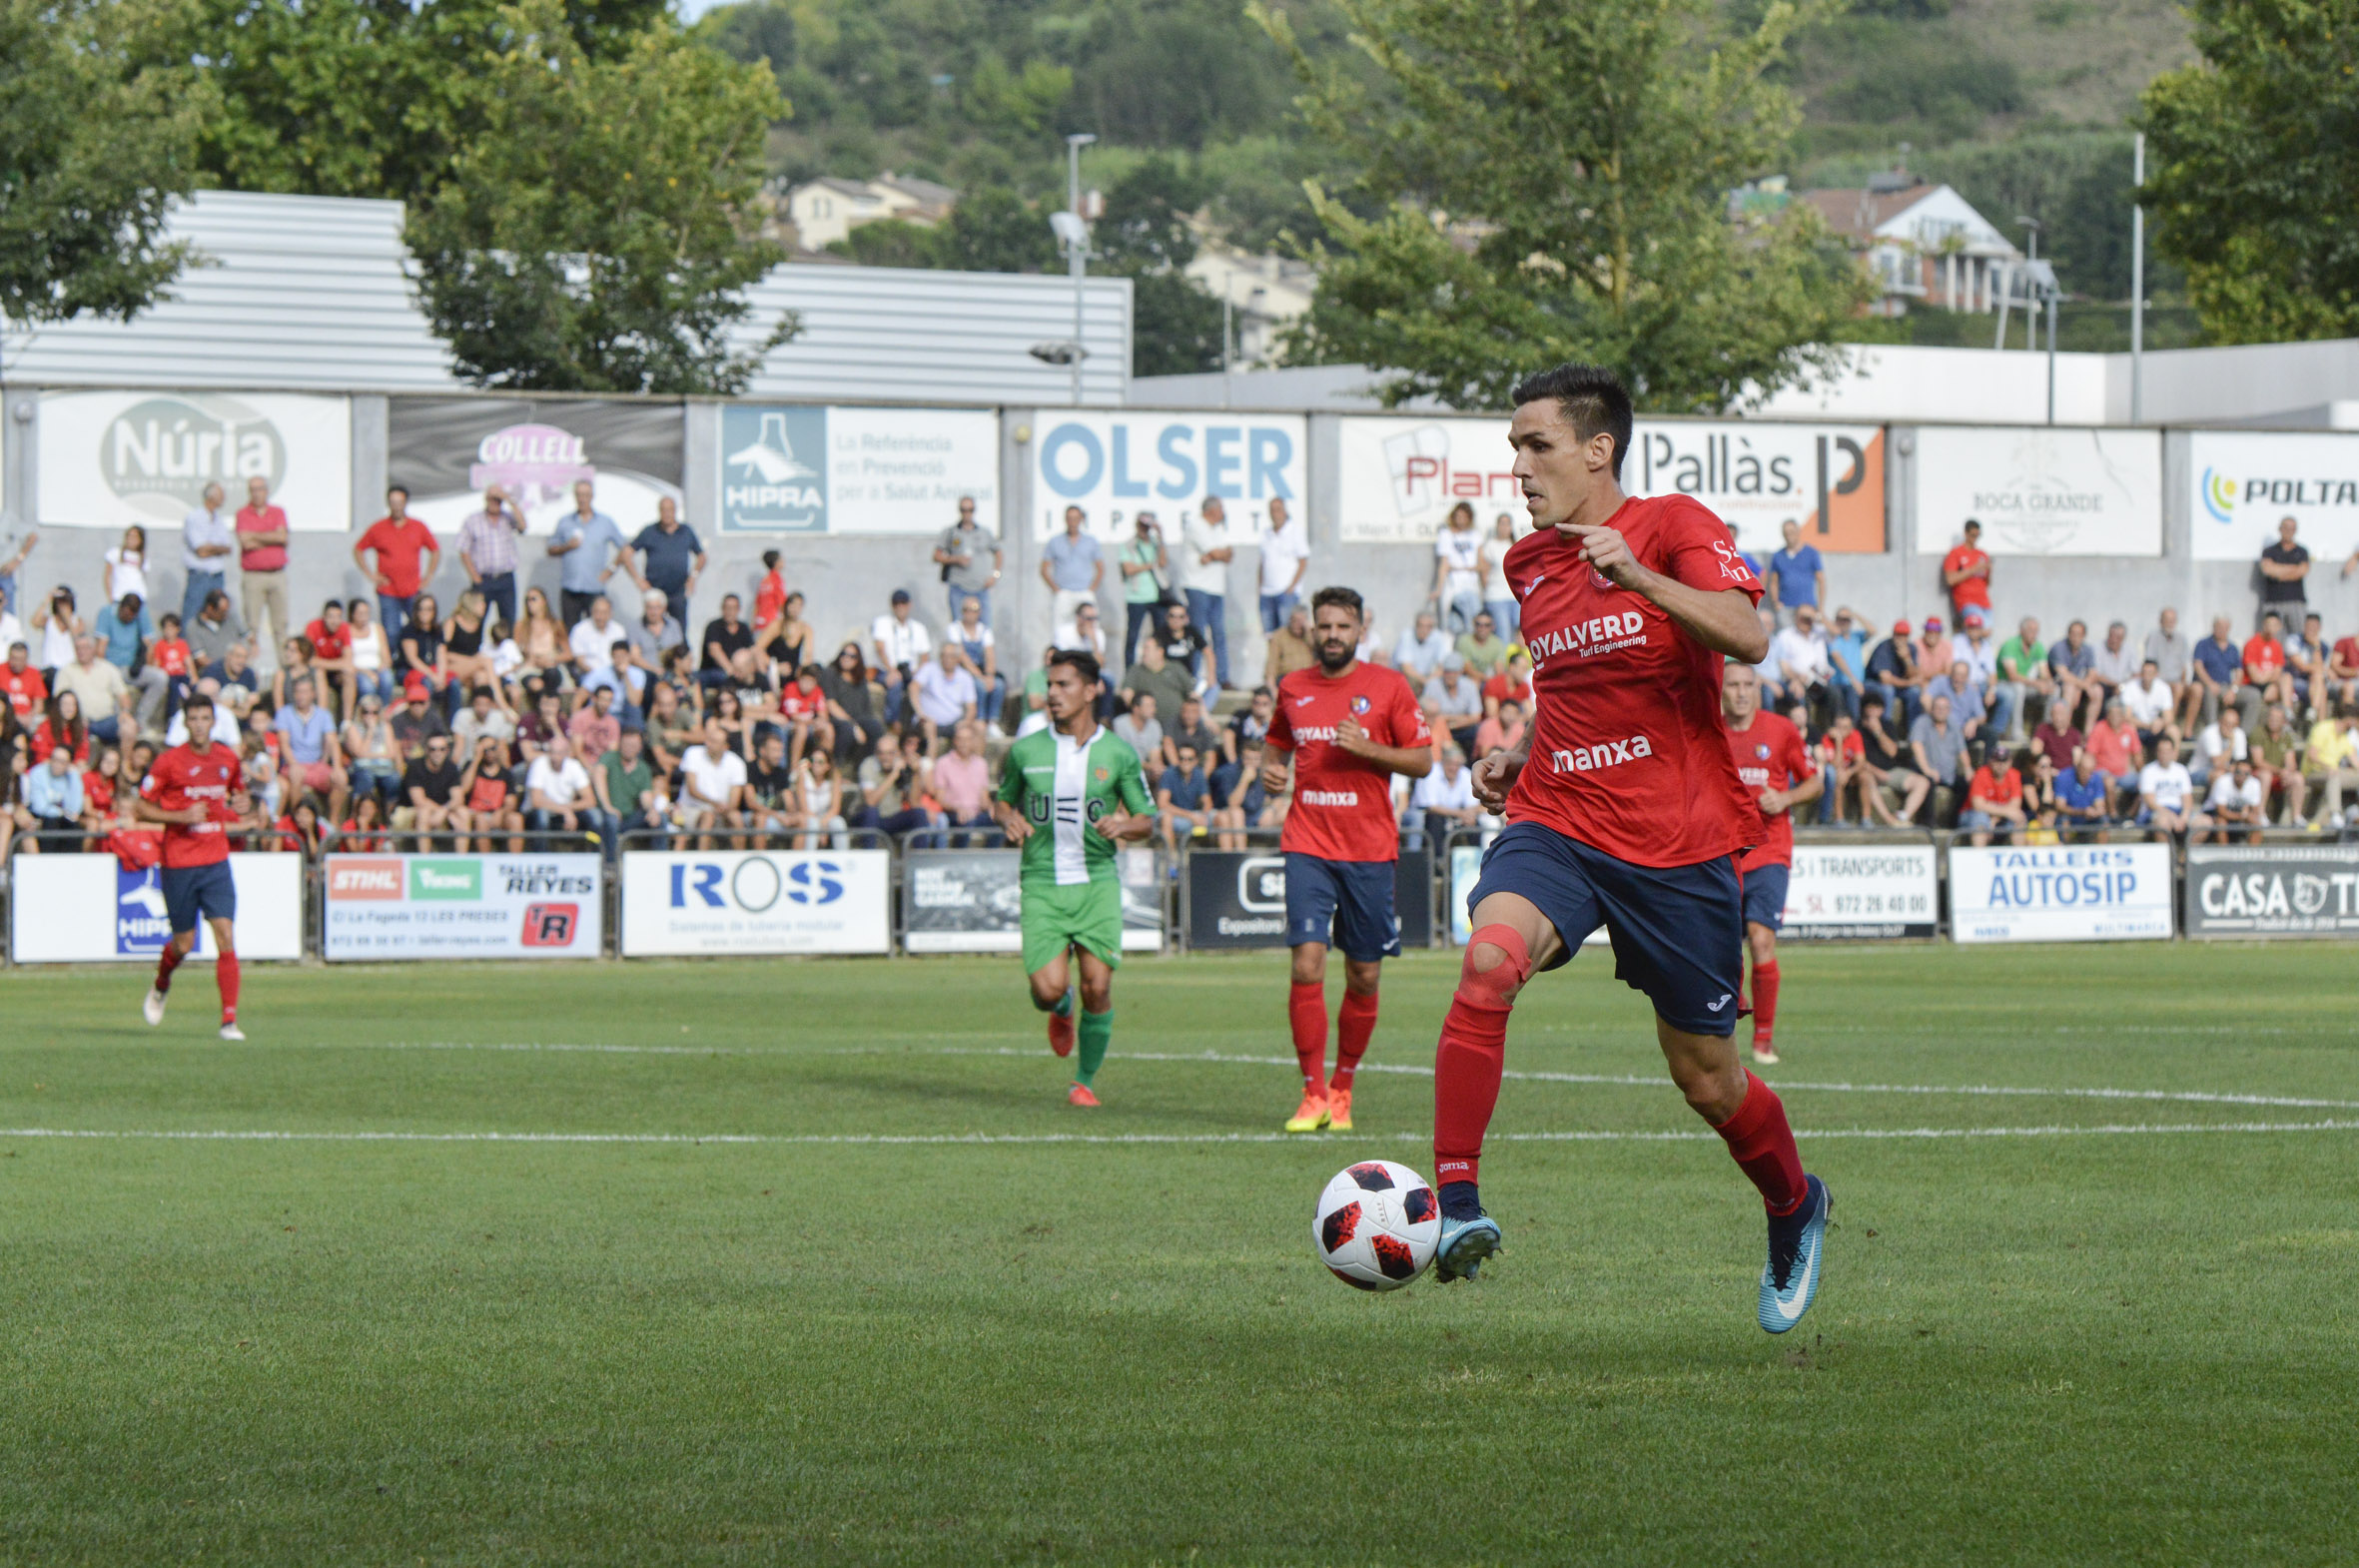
{"points": [[2254, 176], [1558, 173]]}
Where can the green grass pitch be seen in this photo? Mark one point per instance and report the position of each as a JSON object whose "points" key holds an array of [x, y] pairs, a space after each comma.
{"points": [[2059, 1345]]}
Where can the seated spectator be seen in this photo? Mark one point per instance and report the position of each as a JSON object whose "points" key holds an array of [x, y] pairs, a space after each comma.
{"points": [[470, 645], [901, 643], [771, 805], [215, 632], [2306, 660], [961, 781], [1444, 798], [1968, 700], [490, 798], [2039, 800], [635, 792], [2024, 675], [2237, 800], [1513, 684], [889, 791], [1249, 725], [1084, 632], [2150, 703], [299, 832], [1936, 649], [2056, 737], [328, 641], [2331, 764], [26, 688], [2219, 674], [1500, 732], [49, 815], [102, 792], [727, 710], [2266, 674], [369, 658], [2085, 801], [655, 634], [1937, 745], [1289, 649], [128, 636], [62, 729], [590, 644], [673, 727], [413, 721], [104, 695], [2073, 664], [1804, 670], [423, 662], [724, 637], [2342, 677], [560, 795], [855, 706], [1186, 648], [2114, 748], [1847, 655], [1236, 796], [362, 833], [594, 730], [1453, 702], [433, 789], [536, 729], [1139, 728], [1893, 680], [483, 716], [2117, 664], [1484, 651], [233, 683], [372, 764], [543, 645], [2166, 794], [315, 762], [2221, 744], [944, 695], [756, 687], [1191, 728], [1419, 651], [1183, 800], [1994, 801], [1767, 674], [1155, 676], [981, 648], [623, 680], [1840, 754], [823, 804], [802, 713], [2277, 754]]}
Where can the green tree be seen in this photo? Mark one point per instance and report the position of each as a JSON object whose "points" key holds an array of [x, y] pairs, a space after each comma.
{"points": [[93, 147], [892, 242], [2254, 171], [1560, 171], [993, 230], [1145, 236], [596, 235]]}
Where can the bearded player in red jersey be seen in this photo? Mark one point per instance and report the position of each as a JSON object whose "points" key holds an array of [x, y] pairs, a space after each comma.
{"points": [[1624, 810], [1348, 727], [195, 791], [1776, 769]]}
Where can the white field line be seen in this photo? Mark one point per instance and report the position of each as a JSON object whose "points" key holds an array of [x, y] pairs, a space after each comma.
{"points": [[263, 1136]]}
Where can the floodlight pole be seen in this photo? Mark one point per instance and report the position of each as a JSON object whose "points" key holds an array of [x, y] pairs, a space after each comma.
{"points": [[2051, 354], [2137, 284], [1076, 253]]}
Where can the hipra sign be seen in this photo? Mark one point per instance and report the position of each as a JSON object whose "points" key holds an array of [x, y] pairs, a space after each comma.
{"points": [[794, 469], [2245, 483], [110, 459]]}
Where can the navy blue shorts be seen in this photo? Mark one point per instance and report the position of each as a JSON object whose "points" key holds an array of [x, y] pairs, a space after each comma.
{"points": [[1765, 895], [1354, 895], [194, 891], [1678, 931]]}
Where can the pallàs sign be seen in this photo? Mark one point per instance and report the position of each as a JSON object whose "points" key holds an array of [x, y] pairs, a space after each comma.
{"points": [[2272, 890]]}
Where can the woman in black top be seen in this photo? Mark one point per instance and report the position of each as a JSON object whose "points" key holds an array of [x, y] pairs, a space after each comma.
{"points": [[422, 649], [852, 703], [463, 644], [787, 639]]}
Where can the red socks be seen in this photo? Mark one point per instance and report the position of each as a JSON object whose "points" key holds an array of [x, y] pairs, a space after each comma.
{"points": [[1466, 1070], [1762, 1144], [1306, 1011], [164, 966], [1355, 1021], [225, 974], [1765, 1001]]}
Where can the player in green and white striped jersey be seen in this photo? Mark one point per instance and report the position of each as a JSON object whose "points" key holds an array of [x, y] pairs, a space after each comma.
{"points": [[1070, 795]]}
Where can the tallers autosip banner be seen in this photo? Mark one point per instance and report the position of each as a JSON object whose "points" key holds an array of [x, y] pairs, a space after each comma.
{"points": [[1403, 474], [756, 901], [2041, 490], [1238, 900], [1115, 465], [971, 901], [1859, 892], [382, 907], [74, 908], [109, 459], [2061, 893], [2272, 890], [2246, 480], [799, 469], [447, 450]]}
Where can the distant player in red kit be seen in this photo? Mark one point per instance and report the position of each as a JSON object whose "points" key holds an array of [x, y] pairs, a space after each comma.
{"points": [[1624, 810], [1348, 727], [197, 791], [1776, 769]]}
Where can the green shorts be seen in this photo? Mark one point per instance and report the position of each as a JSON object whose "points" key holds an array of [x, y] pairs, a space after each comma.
{"points": [[1086, 915]]}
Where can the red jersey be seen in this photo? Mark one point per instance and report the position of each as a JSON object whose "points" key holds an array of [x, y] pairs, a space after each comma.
{"points": [[171, 655], [328, 642], [27, 692], [769, 599], [1342, 806], [1628, 754], [1770, 754], [1969, 590], [400, 552], [795, 704], [2265, 654], [184, 777]]}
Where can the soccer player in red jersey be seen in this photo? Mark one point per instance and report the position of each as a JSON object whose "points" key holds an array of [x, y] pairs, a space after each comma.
{"points": [[195, 791], [1776, 771], [1624, 809], [1348, 727]]}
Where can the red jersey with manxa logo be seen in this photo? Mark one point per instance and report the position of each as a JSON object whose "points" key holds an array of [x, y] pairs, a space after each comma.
{"points": [[1770, 754], [1628, 753], [184, 777], [1342, 806]]}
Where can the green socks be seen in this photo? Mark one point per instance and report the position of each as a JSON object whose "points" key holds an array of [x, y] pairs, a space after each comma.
{"points": [[1096, 1033]]}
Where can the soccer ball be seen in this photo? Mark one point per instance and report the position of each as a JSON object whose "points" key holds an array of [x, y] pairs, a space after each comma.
{"points": [[1376, 1225]]}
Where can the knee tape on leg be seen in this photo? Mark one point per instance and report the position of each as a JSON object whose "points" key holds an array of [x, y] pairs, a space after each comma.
{"points": [[1495, 989]]}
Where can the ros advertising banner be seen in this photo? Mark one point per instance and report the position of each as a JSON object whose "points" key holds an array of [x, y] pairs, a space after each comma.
{"points": [[786, 469], [1401, 475], [108, 460], [2247, 480], [1114, 465], [971, 901], [1847, 893], [2272, 890], [2061, 893], [2041, 490], [388, 907], [447, 450], [76, 909], [684, 904]]}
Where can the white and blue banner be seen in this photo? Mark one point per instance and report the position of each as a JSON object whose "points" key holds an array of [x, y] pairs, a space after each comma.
{"points": [[2246, 480], [790, 469], [2061, 893], [1115, 465], [79, 909], [1861, 892], [688, 903]]}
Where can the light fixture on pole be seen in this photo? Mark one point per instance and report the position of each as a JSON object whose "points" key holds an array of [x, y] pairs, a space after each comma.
{"points": [[2137, 284]]}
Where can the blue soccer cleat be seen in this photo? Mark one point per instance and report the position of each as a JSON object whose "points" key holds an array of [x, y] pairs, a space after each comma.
{"points": [[1464, 1245], [1796, 1261]]}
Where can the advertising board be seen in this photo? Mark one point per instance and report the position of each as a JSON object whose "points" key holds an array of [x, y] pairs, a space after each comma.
{"points": [[2246, 480], [108, 460], [801, 470], [970, 901], [75, 909], [2272, 890], [447, 450], [1239, 898], [2061, 893], [386, 906], [756, 901], [2041, 490], [1849, 893], [1114, 465]]}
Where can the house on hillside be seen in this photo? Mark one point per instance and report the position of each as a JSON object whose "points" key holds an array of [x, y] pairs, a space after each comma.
{"points": [[825, 210], [1922, 242], [1265, 293]]}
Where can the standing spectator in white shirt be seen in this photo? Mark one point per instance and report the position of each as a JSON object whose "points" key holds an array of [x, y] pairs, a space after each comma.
{"points": [[1457, 570], [1804, 670], [2165, 788], [1419, 651], [1072, 566], [127, 566], [1497, 597], [206, 540], [902, 643], [1203, 578], [592, 642], [1286, 556], [945, 697]]}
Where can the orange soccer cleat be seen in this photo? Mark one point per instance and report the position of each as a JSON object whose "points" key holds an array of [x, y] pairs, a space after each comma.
{"points": [[1061, 1033], [1338, 1110], [1079, 1095], [1313, 1115]]}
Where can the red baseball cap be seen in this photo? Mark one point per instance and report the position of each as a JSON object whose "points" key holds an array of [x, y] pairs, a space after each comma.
{"points": [[1899, 628], [1932, 623]]}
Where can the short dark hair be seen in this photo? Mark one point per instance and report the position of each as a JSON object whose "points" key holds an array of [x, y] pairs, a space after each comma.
{"points": [[769, 557], [1348, 597], [1592, 397], [1081, 662], [196, 698]]}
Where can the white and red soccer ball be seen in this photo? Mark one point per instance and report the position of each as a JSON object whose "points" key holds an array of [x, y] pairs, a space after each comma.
{"points": [[1376, 1225]]}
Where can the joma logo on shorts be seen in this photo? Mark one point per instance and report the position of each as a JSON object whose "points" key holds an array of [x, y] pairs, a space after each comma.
{"points": [[1605, 754]]}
